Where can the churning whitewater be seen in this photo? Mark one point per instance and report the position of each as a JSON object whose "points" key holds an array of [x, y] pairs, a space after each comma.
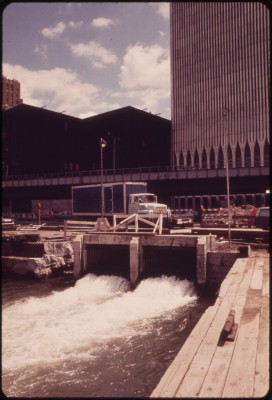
{"points": [[95, 338], [74, 323]]}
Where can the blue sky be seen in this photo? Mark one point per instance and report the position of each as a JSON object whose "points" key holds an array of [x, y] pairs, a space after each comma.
{"points": [[88, 58]]}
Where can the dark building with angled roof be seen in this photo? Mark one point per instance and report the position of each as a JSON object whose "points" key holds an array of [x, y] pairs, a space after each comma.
{"points": [[36, 140]]}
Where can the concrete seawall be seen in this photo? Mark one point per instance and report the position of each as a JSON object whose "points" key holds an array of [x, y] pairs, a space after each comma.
{"points": [[137, 256], [133, 255]]}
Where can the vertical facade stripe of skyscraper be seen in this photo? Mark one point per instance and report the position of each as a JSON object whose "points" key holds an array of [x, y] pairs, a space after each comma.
{"points": [[220, 66]]}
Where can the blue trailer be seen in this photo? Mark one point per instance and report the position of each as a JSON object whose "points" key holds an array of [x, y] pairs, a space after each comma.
{"points": [[87, 202]]}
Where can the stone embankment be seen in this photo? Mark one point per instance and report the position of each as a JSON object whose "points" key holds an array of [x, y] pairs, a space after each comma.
{"points": [[31, 254]]}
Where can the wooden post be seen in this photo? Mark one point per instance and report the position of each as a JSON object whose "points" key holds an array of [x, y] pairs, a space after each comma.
{"points": [[136, 223], [160, 223]]}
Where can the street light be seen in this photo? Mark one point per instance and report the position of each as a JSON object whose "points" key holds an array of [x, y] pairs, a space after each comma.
{"points": [[103, 144]]}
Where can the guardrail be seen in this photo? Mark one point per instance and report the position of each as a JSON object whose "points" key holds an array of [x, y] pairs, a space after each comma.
{"points": [[71, 174], [124, 171]]}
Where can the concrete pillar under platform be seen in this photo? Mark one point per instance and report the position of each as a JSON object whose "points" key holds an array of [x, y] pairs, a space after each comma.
{"points": [[77, 248], [201, 256], [134, 259]]}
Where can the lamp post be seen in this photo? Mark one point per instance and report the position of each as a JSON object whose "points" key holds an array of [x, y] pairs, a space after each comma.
{"points": [[103, 144]]}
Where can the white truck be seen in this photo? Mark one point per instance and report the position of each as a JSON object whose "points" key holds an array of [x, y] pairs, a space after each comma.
{"points": [[119, 198], [147, 204]]}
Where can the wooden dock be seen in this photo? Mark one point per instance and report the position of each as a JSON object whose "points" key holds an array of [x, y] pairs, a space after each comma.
{"points": [[238, 368]]}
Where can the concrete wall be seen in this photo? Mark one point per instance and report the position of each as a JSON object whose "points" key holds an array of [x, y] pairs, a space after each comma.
{"points": [[136, 257], [218, 265]]}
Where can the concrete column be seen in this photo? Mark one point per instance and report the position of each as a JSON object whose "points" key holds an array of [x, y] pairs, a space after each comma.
{"points": [[77, 247], [201, 260], [134, 258]]}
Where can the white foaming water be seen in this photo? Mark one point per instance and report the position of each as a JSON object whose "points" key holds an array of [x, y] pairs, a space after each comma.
{"points": [[77, 321]]}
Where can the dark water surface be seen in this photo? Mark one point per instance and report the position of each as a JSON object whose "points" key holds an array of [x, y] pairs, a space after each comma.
{"points": [[93, 338]]}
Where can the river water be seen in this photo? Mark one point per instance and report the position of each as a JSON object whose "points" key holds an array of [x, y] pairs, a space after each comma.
{"points": [[94, 337]]}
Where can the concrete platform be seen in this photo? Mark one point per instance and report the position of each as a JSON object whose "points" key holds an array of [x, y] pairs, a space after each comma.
{"points": [[238, 368]]}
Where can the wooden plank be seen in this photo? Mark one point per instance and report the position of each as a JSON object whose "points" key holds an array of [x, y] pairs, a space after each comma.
{"points": [[240, 378], [257, 278], [194, 378], [214, 381], [72, 222], [239, 264], [241, 374], [261, 383]]}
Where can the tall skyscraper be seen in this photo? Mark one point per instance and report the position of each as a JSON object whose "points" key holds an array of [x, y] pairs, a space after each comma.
{"points": [[11, 93], [220, 64]]}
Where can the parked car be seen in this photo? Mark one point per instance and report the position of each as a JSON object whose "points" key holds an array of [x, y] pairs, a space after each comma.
{"points": [[8, 223], [7, 220], [180, 219], [262, 218]]}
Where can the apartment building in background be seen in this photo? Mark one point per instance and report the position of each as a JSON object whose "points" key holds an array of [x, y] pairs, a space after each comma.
{"points": [[220, 71], [11, 93]]}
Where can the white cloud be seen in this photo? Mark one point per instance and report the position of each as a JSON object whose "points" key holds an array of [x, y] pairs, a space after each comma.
{"points": [[98, 56], [145, 76], [54, 31], [59, 89], [102, 22], [162, 9], [145, 67], [58, 29]]}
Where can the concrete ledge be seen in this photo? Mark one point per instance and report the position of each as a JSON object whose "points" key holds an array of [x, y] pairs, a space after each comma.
{"points": [[218, 265]]}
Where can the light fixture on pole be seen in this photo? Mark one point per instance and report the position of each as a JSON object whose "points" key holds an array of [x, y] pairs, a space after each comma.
{"points": [[103, 144]]}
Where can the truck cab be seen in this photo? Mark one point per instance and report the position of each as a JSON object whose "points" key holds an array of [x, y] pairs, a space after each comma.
{"points": [[146, 203]]}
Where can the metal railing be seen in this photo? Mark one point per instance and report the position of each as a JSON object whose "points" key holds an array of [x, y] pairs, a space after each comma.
{"points": [[90, 173], [124, 171]]}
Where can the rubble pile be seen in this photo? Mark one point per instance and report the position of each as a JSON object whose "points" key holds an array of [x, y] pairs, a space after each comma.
{"points": [[240, 216]]}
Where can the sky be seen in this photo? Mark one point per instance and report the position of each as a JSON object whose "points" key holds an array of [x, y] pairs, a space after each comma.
{"points": [[84, 59]]}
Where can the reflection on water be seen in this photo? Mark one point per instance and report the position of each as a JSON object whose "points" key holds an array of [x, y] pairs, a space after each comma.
{"points": [[95, 338]]}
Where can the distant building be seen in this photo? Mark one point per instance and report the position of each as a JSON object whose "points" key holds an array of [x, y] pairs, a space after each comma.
{"points": [[11, 93], [220, 61], [35, 140]]}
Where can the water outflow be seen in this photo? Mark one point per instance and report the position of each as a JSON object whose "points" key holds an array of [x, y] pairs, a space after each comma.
{"points": [[77, 322]]}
